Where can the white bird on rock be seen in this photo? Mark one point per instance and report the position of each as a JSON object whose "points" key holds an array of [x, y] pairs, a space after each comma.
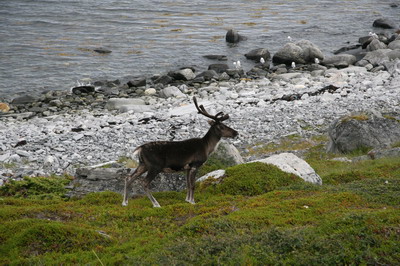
{"points": [[262, 60], [316, 60], [289, 38], [293, 64], [373, 35], [237, 64]]}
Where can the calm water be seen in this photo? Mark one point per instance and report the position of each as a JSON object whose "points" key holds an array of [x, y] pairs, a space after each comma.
{"points": [[47, 44]]}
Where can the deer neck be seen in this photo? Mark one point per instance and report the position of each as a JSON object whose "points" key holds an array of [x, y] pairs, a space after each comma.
{"points": [[211, 140]]}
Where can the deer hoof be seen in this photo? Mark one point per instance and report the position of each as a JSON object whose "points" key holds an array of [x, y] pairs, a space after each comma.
{"points": [[191, 201], [156, 206], [125, 203]]}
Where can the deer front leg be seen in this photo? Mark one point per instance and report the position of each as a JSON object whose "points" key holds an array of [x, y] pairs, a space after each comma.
{"points": [[128, 182], [191, 183]]}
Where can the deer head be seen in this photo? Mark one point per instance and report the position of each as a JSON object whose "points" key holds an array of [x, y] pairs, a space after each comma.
{"points": [[220, 128]]}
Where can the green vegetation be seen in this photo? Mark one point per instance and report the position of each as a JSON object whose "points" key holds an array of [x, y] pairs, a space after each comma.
{"points": [[256, 215]]}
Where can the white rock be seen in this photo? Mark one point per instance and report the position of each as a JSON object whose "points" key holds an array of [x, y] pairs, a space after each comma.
{"points": [[78, 137], [290, 163], [4, 157], [214, 174], [23, 153], [150, 91]]}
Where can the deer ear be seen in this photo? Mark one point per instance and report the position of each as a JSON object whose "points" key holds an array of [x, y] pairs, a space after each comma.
{"points": [[211, 122]]}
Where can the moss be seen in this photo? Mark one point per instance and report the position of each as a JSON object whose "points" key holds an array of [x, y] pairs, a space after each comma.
{"points": [[36, 237], [36, 187], [253, 179]]}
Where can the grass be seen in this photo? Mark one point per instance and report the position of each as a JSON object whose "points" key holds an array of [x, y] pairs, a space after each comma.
{"points": [[255, 215]]}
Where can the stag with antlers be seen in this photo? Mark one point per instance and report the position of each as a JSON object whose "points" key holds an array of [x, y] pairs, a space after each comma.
{"points": [[172, 156]]}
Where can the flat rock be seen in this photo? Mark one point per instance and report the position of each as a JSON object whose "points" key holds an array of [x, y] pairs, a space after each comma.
{"points": [[340, 60], [117, 103]]}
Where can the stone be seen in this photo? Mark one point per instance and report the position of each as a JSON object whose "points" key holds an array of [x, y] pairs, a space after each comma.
{"points": [[164, 80], [208, 75], [183, 74], [288, 76], [150, 91], [216, 57], [117, 103], [217, 174], [385, 23], [89, 180], [369, 129], [301, 52], [340, 60], [227, 153], [102, 50], [4, 108], [376, 45], [394, 45], [232, 36], [257, 54], [83, 89], [24, 99], [376, 57], [218, 68], [290, 163], [172, 91], [137, 83]]}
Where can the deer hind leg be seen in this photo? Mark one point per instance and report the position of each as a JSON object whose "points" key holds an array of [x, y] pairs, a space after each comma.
{"points": [[128, 182], [191, 183], [151, 174]]}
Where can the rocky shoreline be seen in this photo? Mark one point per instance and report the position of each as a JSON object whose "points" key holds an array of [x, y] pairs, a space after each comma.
{"points": [[301, 94]]}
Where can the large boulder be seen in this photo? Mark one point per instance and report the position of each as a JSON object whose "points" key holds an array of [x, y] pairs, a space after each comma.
{"points": [[364, 130], [378, 57], [375, 44], [227, 153], [24, 99], [183, 74], [394, 45], [89, 180], [257, 54], [385, 23], [340, 60], [232, 36], [207, 76], [219, 68], [290, 163], [301, 52], [172, 91]]}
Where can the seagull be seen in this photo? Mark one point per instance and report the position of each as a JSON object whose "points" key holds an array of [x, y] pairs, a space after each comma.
{"points": [[316, 60], [237, 64], [373, 35], [262, 60], [289, 38], [293, 64]]}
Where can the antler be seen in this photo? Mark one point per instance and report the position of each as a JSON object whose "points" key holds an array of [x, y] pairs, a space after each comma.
{"points": [[219, 117]]}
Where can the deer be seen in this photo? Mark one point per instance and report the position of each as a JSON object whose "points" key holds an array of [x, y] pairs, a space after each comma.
{"points": [[177, 156]]}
